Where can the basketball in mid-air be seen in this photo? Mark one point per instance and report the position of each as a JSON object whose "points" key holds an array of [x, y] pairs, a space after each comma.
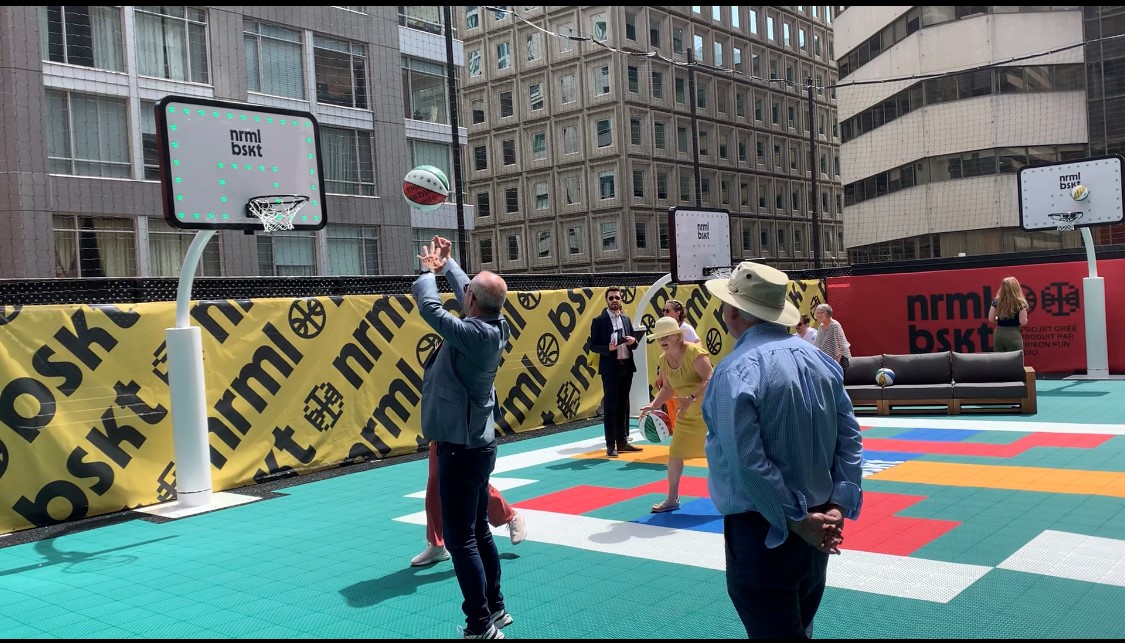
{"points": [[1079, 192], [884, 377], [656, 426], [425, 188]]}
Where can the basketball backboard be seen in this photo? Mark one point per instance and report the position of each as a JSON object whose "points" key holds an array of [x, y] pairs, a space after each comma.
{"points": [[1048, 200], [698, 243], [215, 156]]}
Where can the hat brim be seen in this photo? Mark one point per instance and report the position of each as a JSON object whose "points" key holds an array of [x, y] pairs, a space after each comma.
{"points": [[653, 337], [789, 315]]}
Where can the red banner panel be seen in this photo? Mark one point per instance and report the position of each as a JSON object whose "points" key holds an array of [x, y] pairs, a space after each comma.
{"points": [[925, 312]]}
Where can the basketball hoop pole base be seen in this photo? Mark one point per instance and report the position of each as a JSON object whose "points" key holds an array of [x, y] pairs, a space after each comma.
{"points": [[188, 391], [1093, 304]]}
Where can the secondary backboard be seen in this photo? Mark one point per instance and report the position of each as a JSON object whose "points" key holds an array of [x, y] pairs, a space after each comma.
{"points": [[215, 156], [1048, 200], [698, 243]]}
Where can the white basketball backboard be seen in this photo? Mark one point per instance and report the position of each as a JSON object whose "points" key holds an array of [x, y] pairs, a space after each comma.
{"points": [[215, 156], [1047, 200], [698, 243]]}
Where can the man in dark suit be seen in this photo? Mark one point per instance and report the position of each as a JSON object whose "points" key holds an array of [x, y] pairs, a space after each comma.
{"points": [[611, 337]]}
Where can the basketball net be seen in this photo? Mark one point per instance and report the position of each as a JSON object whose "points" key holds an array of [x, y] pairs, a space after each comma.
{"points": [[718, 272], [1066, 226], [276, 212]]}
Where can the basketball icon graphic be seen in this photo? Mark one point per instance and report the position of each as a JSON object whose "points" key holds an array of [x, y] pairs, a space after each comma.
{"points": [[425, 188], [656, 426]]}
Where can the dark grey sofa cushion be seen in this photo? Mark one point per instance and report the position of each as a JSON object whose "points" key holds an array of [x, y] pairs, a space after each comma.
{"points": [[988, 367], [918, 391], [866, 393], [986, 390], [861, 370], [921, 368]]}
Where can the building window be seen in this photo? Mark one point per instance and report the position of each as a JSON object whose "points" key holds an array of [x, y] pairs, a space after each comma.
{"points": [[662, 185], [472, 17], [754, 21], [635, 131], [631, 26], [275, 60], [657, 85], [574, 241], [480, 158], [566, 44], [513, 247], [654, 26], [569, 89], [353, 250], [573, 189], [172, 43], [599, 27], [539, 146], [677, 40], [423, 18], [149, 149], [478, 111], [168, 246], [570, 140], [638, 183], [605, 185], [543, 244], [769, 29], [485, 250], [94, 247], [681, 140], [503, 56], [609, 237], [509, 151], [472, 63], [685, 187], [542, 196], [349, 161], [484, 207], [423, 91], [534, 46], [86, 36], [634, 79], [511, 200], [703, 143], [641, 235], [535, 96], [601, 80], [605, 133], [506, 106], [658, 135], [87, 135], [287, 254], [680, 95], [341, 72], [662, 231]]}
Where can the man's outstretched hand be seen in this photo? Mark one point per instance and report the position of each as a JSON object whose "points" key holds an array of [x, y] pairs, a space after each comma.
{"points": [[431, 258], [443, 246]]}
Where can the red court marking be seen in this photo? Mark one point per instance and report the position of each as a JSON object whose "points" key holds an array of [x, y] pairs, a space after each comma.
{"points": [[1076, 441], [586, 498], [880, 531]]}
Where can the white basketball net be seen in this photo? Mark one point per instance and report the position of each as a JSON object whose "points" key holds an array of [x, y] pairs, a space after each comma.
{"points": [[276, 212], [1066, 226]]}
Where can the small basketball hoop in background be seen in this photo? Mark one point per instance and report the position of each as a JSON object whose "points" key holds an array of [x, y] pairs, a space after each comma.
{"points": [[276, 211]]}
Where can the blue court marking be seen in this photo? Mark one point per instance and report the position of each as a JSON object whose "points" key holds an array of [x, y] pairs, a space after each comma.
{"points": [[936, 435], [890, 455], [696, 515]]}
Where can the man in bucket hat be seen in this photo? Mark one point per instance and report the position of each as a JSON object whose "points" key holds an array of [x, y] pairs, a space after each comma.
{"points": [[783, 452]]}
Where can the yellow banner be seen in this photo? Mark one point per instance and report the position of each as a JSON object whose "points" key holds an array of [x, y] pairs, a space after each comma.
{"points": [[293, 386]]}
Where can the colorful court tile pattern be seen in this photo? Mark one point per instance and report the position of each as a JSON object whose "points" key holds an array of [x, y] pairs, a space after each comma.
{"points": [[970, 529]]}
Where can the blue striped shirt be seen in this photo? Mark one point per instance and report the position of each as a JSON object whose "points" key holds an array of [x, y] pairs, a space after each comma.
{"points": [[781, 432]]}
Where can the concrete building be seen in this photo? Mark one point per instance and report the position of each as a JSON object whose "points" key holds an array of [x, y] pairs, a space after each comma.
{"points": [[79, 170], [577, 148], [929, 166]]}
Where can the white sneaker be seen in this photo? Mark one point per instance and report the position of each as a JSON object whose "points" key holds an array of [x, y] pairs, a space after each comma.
{"points": [[517, 529], [429, 556]]}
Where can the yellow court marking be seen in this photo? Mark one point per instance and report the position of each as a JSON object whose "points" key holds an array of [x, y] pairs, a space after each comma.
{"points": [[652, 454], [951, 474]]}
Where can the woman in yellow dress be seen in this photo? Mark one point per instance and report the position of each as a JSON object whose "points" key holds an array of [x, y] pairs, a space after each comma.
{"points": [[687, 369]]}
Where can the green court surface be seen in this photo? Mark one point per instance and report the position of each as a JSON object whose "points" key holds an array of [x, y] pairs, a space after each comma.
{"points": [[973, 527]]}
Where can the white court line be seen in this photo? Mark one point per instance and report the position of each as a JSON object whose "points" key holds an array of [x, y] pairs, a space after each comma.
{"points": [[884, 574], [503, 484], [542, 456], [1075, 556], [973, 424]]}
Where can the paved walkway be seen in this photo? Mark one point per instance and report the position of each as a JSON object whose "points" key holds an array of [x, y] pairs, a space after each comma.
{"points": [[973, 527]]}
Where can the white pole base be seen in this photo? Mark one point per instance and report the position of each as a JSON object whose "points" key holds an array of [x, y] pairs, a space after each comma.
{"points": [[189, 415]]}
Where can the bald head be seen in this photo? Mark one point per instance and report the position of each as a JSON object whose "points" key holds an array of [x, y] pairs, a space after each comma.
{"points": [[489, 291]]}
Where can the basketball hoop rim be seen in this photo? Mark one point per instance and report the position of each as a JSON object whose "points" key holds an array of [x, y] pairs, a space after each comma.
{"points": [[276, 211]]}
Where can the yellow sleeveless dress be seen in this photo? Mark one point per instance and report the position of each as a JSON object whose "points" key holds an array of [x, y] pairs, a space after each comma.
{"points": [[689, 432]]}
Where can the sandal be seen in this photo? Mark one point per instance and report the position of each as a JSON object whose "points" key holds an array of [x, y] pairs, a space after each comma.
{"points": [[665, 505]]}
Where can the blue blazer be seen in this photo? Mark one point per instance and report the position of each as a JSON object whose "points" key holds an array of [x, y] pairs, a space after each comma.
{"points": [[458, 387], [600, 330]]}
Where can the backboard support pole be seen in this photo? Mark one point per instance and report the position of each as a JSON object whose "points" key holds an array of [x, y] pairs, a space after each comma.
{"points": [[1093, 297], [638, 392]]}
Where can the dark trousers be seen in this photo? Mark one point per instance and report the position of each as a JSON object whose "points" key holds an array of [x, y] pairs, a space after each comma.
{"points": [[615, 407], [775, 591], [463, 487]]}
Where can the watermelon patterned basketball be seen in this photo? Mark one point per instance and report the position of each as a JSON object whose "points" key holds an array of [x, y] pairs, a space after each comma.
{"points": [[656, 426], [425, 188], [884, 377]]}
